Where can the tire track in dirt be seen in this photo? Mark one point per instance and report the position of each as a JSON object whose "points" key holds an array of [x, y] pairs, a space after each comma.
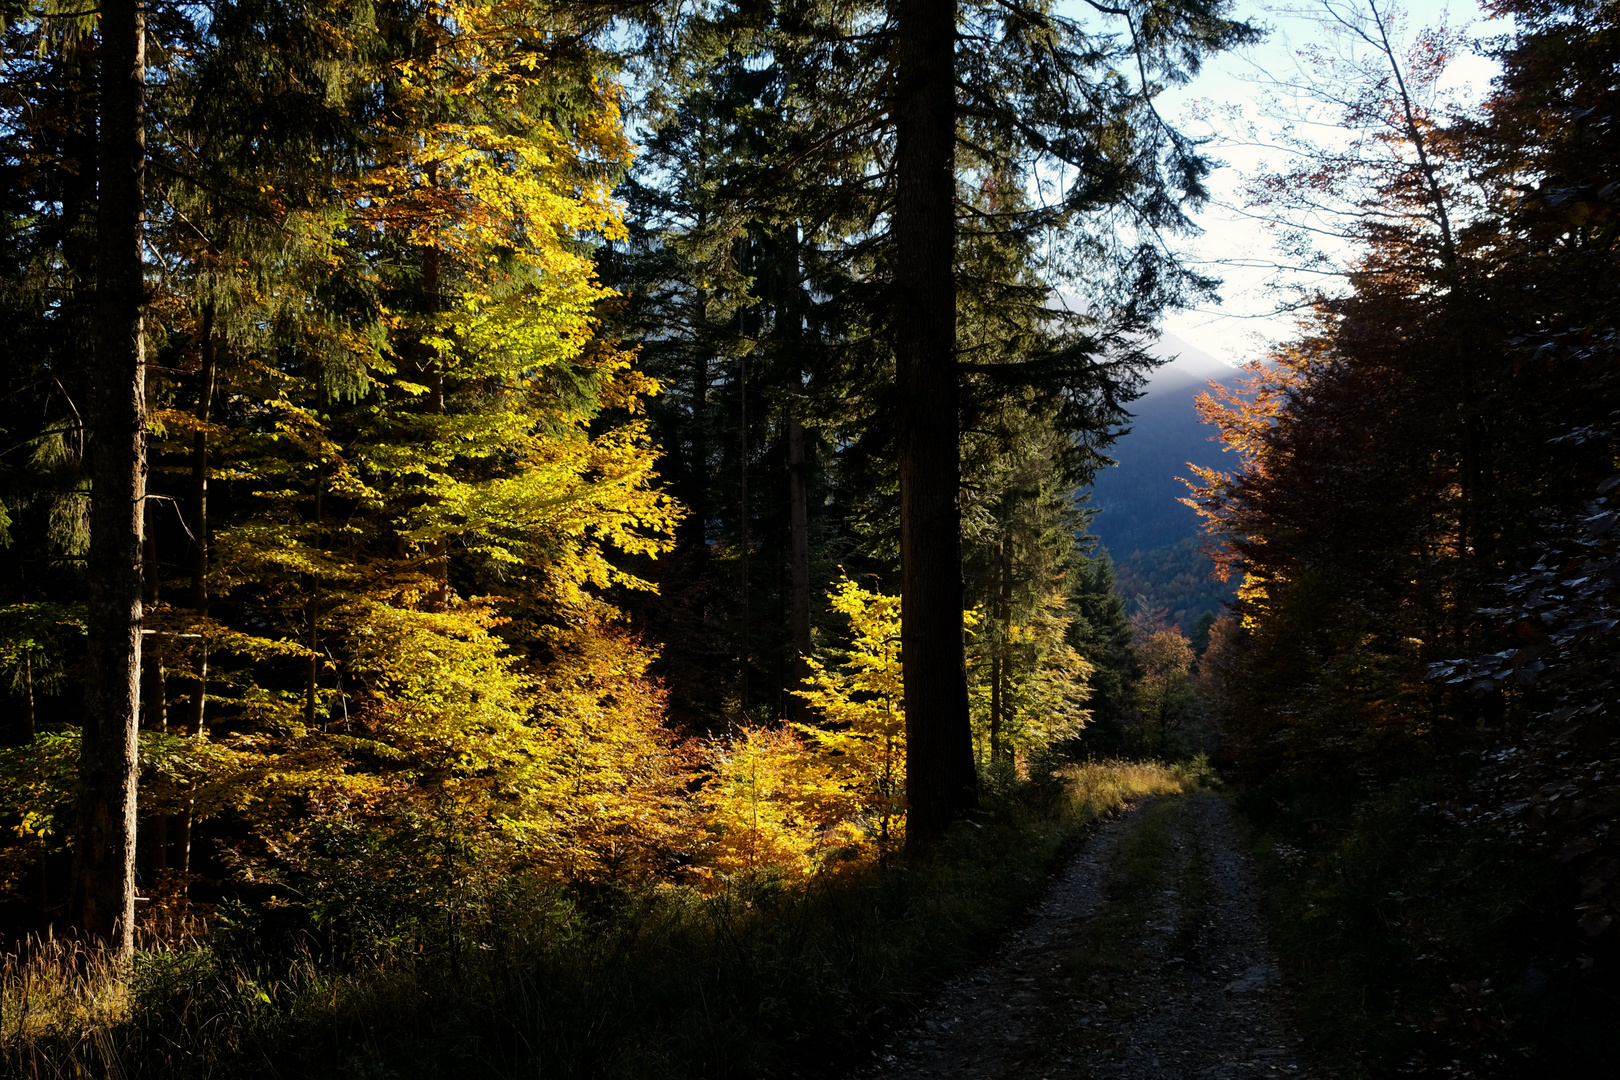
{"points": [[1146, 959]]}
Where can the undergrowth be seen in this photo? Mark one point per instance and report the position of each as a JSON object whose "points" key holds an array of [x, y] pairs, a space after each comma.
{"points": [[1420, 948], [757, 980]]}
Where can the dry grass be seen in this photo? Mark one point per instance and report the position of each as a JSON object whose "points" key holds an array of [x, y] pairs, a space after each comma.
{"points": [[1103, 787], [664, 983], [62, 993]]}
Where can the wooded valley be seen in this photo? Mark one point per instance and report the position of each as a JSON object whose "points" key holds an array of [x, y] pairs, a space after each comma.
{"points": [[552, 537]]}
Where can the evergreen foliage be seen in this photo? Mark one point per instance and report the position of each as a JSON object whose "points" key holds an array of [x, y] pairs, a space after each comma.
{"points": [[1421, 528], [488, 460]]}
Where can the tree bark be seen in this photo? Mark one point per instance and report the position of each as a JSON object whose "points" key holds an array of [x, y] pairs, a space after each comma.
{"points": [[799, 526], [1003, 707], [439, 597], [1001, 632], [744, 542], [193, 726], [941, 782], [312, 625], [152, 837], [30, 728], [696, 525], [103, 902], [154, 711], [199, 517]]}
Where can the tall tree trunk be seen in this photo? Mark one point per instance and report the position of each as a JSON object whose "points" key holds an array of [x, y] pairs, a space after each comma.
{"points": [[433, 363], [697, 520], [312, 625], [799, 526], [744, 542], [999, 632], [791, 325], [153, 837], [696, 525], [995, 699], [103, 901], [199, 517], [30, 726], [940, 779], [206, 376], [1002, 709], [199, 573], [154, 712]]}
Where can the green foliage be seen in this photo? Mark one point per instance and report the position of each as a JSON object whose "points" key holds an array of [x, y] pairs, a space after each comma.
{"points": [[1044, 685], [1101, 632], [623, 982], [1420, 686]]}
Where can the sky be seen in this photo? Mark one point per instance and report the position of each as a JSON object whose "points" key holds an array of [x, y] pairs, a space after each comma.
{"points": [[1232, 246]]}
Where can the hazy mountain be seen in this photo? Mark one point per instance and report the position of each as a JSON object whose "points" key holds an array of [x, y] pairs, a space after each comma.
{"points": [[1152, 537]]}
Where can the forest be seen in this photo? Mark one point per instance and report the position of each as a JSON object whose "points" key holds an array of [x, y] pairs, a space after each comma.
{"points": [[552, 537]]}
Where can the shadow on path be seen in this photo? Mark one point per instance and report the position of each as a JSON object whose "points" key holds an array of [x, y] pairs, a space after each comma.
{"points": [[1147, 959]]}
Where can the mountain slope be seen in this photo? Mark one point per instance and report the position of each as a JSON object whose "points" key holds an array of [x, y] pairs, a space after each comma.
{"points": [[1152, 537]]}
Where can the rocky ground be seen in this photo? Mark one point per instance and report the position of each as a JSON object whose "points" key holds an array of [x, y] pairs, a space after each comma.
{"points": [[1146, 959]]}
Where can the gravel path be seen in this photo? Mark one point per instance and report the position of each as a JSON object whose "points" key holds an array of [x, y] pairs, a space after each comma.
{"points": [[1146, 959]]}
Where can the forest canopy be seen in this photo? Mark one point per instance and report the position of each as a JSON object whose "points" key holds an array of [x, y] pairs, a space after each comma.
{"points": [[537, 475], [435, 432]]}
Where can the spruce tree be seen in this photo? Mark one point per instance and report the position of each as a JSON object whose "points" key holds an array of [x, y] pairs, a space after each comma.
{"points": [[104, 874]]}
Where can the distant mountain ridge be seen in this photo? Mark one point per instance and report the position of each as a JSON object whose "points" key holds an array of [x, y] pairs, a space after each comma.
{"points": [[1152, 537]]}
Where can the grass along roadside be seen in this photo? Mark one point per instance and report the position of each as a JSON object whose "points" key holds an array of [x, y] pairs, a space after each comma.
{"points": [[1420, 948], [755, 981]]}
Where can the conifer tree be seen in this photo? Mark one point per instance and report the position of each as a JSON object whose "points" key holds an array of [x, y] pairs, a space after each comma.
{"points": [[1100, 631], [104, 873]]}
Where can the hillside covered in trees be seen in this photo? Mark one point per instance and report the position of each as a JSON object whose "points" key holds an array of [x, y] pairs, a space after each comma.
{"points": [[584, 505], [1142, 521]]}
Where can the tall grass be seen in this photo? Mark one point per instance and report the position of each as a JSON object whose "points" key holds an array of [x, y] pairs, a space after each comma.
{"points": [[663, 982]]}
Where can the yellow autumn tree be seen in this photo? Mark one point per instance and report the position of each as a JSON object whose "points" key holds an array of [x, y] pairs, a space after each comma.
{"points": [[861, 700], [804, 799], [770, 806], [608, 800], [414, 682]]}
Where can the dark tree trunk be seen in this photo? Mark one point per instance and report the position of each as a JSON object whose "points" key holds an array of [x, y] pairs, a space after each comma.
{"points": [[199, 519], [181, 830], [433, 372], [940, 779], [1001, 666], [312, 625], [799, 526], [154, 713], [103, 902], [744, 542], [152, 840], [30, 727], [697, 520]]}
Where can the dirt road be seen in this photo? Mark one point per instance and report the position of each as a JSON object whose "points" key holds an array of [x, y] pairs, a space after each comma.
{"points": [[1146, 960]]}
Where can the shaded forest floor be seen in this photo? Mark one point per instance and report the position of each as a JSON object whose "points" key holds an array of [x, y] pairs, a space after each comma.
{"points": [[760, 979], [1146, 959]]}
